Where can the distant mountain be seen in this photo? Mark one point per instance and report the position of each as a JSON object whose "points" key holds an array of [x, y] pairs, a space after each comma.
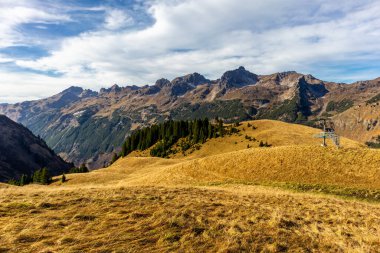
{"points": [[22, 153], [87, 126]]}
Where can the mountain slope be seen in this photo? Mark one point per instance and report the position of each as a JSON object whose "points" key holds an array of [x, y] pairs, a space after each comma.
{"points": [[23, 153], [83, 125]]}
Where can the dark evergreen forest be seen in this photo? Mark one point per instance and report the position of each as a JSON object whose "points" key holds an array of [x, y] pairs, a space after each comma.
{"points": [[164, 135]]}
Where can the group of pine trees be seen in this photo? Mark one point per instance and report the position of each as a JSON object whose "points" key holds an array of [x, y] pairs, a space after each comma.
{"points": [[40, 176], [164, 135], [81, 169]]}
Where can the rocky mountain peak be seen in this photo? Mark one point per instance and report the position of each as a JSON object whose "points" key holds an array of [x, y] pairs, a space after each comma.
{"points": [[74, 90], [191, 79], [160, 83], [238, 78], [281, 75], [88, 93], [114, 88], [66, 97], [77, 92], [180, 85]]}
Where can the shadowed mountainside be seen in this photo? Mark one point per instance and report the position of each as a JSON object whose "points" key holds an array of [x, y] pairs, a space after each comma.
{"points": [[22, 153]]}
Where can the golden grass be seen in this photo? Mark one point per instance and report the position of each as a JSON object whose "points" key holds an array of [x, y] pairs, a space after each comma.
{"points": [[183, 219], [302, 164], [294, 164], [147, 204], [2, 185]]}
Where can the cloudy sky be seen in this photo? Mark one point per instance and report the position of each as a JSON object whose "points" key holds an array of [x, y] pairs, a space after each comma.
{"points": [[49, 45]]}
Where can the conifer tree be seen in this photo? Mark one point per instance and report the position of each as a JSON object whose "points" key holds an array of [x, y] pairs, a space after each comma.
{"points": [[209, 131], [36, 176], [124, 149], [83, 168], [24, 180], [44, 176], [220, 128], [114, 158]]}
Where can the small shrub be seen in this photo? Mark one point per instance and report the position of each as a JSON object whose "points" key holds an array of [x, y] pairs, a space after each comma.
{"points": [[264, 144], [63, 179]]}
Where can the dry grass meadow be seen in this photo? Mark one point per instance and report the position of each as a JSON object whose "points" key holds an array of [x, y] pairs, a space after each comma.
{"points": [[292, 197]]}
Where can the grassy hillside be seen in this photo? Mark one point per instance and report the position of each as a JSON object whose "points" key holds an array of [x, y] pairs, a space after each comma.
{"points": [[224, 197], [302, 164]]}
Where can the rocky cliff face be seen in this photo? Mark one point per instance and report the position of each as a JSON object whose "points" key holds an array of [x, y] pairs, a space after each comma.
{"points": [[83, 125], [22, 153]]}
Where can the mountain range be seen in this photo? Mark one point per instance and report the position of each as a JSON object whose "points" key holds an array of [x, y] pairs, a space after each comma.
{"points": [[83, 125]]}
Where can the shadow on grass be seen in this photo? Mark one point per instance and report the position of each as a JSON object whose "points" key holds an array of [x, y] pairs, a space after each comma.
{"points": [[371, 195], [55, 180]]}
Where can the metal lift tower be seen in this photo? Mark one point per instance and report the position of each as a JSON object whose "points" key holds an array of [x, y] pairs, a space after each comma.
{"points": [[328, 133]]}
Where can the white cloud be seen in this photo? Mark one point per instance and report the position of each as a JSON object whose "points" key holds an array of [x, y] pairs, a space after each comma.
{"points": [[117, 19], [211, 36], [14, 14]]}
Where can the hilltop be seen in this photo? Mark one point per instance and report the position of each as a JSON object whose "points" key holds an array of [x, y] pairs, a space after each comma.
{"points": [[88, 126], [23, 153], [295, 156]]}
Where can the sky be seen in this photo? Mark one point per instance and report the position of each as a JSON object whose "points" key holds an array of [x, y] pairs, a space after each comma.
{"points": [[49, 45]]}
